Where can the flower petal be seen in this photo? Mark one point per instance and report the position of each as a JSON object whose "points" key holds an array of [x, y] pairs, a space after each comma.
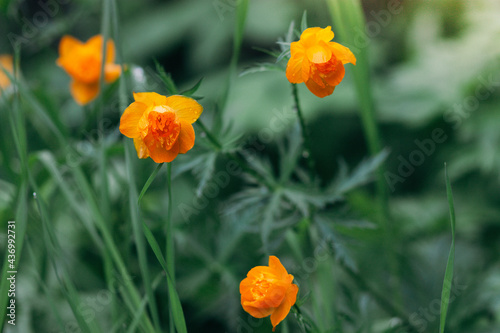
{"points": [[150, 98], [319, 53], [335, 76], [277, 267], [186, 137], [6, 64], [82, 92], [294, 69], [161, 155], [140, 147], [186, 108], [67, 44], [110, 52], [342, 53], [258, 312], [284, 308], [320, 91], [130, 119], [112, 72], [95, 42]]}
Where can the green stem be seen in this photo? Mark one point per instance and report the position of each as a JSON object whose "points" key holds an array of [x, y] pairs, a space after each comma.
{"points": [[305, 323], [305, 133], [169, 247]]}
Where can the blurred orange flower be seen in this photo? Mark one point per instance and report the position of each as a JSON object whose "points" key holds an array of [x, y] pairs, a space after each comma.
{"points": [[7, 65], [268, 290], [160, 126], [83, 61], [317, 61]]}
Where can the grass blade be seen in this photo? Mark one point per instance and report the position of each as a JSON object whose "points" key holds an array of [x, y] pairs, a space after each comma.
{"points": [[448, 275], [138, 236], [175, 303], [149, 181]]}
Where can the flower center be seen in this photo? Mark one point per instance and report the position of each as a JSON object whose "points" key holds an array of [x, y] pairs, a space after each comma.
{"points": [[260, 289], [88, 66], [161, 126], [327, 67]]}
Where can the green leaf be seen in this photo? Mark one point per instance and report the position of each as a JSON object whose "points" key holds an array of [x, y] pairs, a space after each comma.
{"points": [[192, 90], [448, 275], [303, 23], [264, 67], [166, 78]]}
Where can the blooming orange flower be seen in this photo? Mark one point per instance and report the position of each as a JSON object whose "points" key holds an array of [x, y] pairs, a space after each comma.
{"points": [[7, 65], [160, 126], [268, 290], [317, 61], [83, 61]]}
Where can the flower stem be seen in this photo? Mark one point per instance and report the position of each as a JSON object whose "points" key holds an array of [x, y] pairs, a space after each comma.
{"points": [[169, 237], [305, 133]]}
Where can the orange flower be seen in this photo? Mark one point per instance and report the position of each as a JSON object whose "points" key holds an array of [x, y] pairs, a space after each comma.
{"points": [[317, 61], [160, 126], [268, 290], [7, 65], [83, 61]]}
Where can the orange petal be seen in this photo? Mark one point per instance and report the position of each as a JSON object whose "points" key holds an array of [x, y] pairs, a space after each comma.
{"points": [[111, 72], [95, 42], [294, 69], [67, 44], [150, 98], [110, 51], [185, 108], [130, 119], [6, 64], [325, 34], [161, 155], [257, 312], [284, 308], [319, 53], [82, 92], [342, 53], [186, 137], [335, 76], [320, 91], [140, 147], [277, 267]]}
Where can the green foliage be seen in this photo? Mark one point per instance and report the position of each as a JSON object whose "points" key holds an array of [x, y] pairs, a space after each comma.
{"points": [[93, 254]]}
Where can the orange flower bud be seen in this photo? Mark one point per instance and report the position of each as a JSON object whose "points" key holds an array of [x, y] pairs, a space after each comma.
{"points": [[317, 61], [268, 290], [160, 126], [83, 62]]}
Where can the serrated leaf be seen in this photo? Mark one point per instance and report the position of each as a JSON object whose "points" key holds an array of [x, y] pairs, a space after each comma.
{"points": [[166, 78], [264, 67], [361, 175]]}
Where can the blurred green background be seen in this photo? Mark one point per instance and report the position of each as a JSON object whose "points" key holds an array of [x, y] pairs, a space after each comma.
{"points": [[435, 65]]}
